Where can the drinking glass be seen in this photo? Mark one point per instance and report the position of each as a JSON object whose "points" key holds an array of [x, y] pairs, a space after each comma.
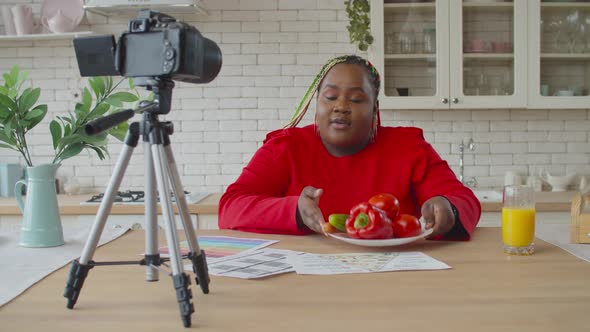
{"points": [[518, 220]]}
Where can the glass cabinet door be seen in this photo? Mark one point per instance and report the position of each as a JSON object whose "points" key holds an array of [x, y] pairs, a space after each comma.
{"points": [[562, 59], [410, 37], [488, 53], [410, 48]]}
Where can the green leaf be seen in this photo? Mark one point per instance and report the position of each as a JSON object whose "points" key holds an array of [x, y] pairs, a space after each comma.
{"points": [[4, 112], [8, 129], [7, 138], [108, 82], [67, 130], [78, 112], [11, 77], [28, 98], [98, 86], [121, 97], [7, 102], [72, 150], [119, 131], [55, 130], [2, 145], [99, 140], [86, 101], [98, 111], [33, 113], [114, 101], [41, 111], [131, 83], [70, 138], [3, 90], [98, 151]]}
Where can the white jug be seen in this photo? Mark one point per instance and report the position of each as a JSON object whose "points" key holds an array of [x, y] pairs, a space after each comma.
{"points": [[8, 21]]}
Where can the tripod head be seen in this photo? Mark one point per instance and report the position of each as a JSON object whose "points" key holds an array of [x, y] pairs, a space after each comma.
{"points": [[162, 89]]}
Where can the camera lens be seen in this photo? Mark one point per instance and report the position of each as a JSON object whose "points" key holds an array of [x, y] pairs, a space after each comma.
{"points": [[211, 60]]}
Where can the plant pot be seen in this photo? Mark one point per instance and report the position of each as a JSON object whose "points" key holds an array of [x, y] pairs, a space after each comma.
{"points": [[41, 225]]}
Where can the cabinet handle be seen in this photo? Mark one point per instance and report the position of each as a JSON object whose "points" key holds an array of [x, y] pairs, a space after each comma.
{"points": [[455, 100], [445, 100]]}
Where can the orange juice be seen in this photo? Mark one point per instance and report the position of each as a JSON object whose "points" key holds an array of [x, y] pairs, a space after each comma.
{"points": [[518, 226]]}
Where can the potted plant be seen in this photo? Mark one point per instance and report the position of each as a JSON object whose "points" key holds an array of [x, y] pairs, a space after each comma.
{"points": [[358, 28], [20, 113]]}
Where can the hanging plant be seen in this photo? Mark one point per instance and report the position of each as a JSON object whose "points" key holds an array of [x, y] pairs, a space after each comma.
{"points": [[359, 20]]}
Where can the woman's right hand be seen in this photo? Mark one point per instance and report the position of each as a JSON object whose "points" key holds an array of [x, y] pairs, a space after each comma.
{"points": [[308, 209]]}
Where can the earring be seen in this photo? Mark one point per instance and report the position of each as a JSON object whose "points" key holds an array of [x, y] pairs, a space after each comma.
{"points": [[317, 127], [374, 126]]}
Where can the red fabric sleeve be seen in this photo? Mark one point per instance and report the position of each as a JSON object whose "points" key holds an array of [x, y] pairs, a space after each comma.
{"points": [[436, 178], [256, 202]]}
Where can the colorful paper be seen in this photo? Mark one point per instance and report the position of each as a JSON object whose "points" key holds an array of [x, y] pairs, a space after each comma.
{"points": [[218, 247]]}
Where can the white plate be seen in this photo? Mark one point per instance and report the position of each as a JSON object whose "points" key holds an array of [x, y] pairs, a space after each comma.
{"points": [[381, 243], [73, 9]]}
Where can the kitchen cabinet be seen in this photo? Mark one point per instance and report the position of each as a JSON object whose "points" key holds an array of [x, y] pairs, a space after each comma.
{"points": [[478, 59], [559, 54]]}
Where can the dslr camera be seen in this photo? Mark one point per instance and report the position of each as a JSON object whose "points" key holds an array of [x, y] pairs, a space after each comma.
{"points": [[156, 46]]}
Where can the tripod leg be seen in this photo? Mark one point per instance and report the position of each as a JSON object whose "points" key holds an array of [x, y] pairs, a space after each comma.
{"points": [[79, 268], [196, 255], [180, 279], [152, 256]]}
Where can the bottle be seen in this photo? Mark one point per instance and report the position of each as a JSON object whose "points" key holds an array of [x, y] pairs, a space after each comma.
{"points": [[390, 43], [406, 39], [429, 40]]}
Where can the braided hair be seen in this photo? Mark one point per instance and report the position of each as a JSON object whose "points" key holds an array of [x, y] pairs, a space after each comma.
{"points": [[315, 86]]}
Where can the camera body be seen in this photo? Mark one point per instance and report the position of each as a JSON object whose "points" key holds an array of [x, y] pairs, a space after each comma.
{"points": [[156, 45]]}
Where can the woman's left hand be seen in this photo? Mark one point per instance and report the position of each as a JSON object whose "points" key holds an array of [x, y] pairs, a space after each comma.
{"points": [[438, 214]]}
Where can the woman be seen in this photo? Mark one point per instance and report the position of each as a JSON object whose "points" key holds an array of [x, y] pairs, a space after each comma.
{"points": [[300, 176]]}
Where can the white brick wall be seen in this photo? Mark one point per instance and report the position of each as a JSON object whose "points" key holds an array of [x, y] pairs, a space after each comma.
{"points": [[272, 50]]}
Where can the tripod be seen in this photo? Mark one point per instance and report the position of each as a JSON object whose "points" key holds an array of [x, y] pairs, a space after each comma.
{"points": [[160, 169]]}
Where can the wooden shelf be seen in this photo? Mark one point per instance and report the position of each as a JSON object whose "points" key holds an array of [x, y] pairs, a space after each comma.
{"points": [[489, 5], [566, 56], [48, 36], [424, 6], [429, 56], [565, 4], [488, 56]]}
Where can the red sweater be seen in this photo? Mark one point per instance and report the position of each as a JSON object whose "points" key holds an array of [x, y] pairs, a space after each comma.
{"points": [[264, 198]]}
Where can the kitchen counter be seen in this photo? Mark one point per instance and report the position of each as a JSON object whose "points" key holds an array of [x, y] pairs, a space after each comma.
{"points": [[545, 201], [70, 205]]}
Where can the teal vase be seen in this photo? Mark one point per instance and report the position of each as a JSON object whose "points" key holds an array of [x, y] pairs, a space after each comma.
{"points": [[41, 225]]}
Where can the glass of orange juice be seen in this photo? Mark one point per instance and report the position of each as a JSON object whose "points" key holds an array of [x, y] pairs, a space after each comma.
{"points": [[518, 220]]}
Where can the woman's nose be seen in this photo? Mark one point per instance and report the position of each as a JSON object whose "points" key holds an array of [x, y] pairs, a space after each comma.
{"points": [[342, 105]]}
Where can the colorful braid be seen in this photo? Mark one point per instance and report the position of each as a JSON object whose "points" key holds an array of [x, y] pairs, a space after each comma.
{"points": [[313, 88]]}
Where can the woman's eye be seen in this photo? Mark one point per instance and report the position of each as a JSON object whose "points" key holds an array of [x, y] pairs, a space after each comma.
{"points": [[357, 100], [331, 97]]}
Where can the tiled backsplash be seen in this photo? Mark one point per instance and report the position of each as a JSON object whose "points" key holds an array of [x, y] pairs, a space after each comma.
{"points": [[272, 49]]}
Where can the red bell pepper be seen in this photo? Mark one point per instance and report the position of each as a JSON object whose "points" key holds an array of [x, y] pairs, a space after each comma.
{"points": [[368, 222]]}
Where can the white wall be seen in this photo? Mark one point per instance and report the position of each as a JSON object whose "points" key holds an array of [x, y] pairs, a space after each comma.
{"points": [[271, 51]]}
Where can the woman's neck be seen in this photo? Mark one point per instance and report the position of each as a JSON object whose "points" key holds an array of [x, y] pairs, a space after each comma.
{"points": [[343, 151]]}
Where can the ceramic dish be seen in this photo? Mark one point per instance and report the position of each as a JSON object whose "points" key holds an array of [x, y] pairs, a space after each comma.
{"points": [[380, 243], [72, 9]]}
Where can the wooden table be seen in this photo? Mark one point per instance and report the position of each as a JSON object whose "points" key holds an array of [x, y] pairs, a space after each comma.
{"points": [[485, 290]]}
